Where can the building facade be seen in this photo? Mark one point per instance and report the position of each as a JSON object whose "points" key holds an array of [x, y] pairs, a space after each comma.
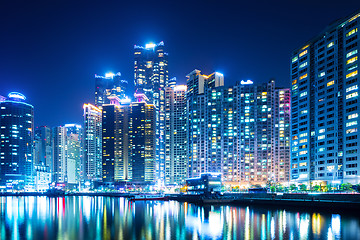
{"points": [[92, 166], [59, 159], [74, 153], [44, 138], [128, 133], [242, 132], [175, 134], [151, 78], [17, 139], [325, 106], [107, 85]]}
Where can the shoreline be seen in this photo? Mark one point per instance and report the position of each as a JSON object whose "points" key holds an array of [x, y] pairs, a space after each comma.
{"points": [[338, 201]]}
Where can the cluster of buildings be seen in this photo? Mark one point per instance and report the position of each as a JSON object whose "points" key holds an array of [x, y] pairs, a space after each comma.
{"points": [[165, 133]]}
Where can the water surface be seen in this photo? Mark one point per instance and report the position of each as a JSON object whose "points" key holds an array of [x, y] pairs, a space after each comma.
{"points": [[117, 218]]}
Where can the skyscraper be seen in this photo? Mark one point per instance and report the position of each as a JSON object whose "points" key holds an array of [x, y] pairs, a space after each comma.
{"points": [[59, 160], [17, 138], [109, 84], [92, 143], [128, 141], [142, 141], [325, 106], [43, 134], [74, 153], [115, 143], [151, 78], [175, 134]]}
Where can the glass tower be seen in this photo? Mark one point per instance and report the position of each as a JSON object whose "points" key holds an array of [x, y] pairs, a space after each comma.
{"points": [[17, 138], [151, 78]]}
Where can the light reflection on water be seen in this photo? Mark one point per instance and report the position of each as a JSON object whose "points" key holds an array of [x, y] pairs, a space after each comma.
{"points": [[117, 218]]}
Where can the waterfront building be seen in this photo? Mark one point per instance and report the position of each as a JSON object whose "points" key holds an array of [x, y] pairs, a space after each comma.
{"points": [[42, 178], [107, 85], [128, 133], [242, 132], [16, 142], [263, 133], [325, 106], [116, 157], [92, 143], [211, 126], [175, 134], [151, 78], [142, 140], [74, 153], [59, 160]]}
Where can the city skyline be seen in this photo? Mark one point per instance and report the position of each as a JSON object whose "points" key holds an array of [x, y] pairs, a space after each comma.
{"points": [[238, 50]]}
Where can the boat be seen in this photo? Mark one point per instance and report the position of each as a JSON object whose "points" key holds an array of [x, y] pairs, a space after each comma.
{"points": [[149, 197]]}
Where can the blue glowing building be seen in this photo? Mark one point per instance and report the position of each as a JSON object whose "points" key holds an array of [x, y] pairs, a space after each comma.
{"points": [[17, 138]]}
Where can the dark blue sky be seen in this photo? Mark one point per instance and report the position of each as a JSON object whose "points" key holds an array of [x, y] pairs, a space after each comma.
{"points": [[50, 50]]}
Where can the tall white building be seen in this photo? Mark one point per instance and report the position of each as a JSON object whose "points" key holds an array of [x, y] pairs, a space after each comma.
{"points": [[175, 135], [92, 143], [325, 83]]}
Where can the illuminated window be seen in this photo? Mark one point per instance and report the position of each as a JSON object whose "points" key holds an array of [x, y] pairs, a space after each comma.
{"points": [[351, 32], [303, 135], [303, 164], [352, 74], [355, 115], [303, 76], [303, 111], [353, 123], [303, 65], [294, 59], [321, 137], [349, 89], [303, 141], [352, 130], [303, 94], [330, 83], [322, 130], [351, 53], [303, 53], [302, 152], [330, 44], [351, 95], [322, 74], [351, 60], [294, 81]]}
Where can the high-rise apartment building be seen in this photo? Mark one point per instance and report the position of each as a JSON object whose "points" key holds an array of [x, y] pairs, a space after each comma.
{"points": [[128, 132], [241, 131], [151, 78], [107, 85], [74, 153], [116, 157], [263, 133], [59, 159], [142, 141], [16, 142], [92, 143], [325, 106], [175, 134]]}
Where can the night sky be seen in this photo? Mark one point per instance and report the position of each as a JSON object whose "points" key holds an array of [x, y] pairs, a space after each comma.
{"points": [[50, 50]]}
